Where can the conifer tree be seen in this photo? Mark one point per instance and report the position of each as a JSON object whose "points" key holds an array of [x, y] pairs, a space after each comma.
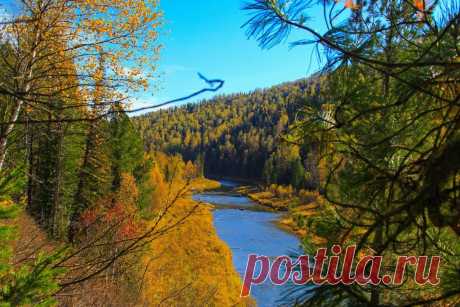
{"points": [[126, 148], [387, 121]]}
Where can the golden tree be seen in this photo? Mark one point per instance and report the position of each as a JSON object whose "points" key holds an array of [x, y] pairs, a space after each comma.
{"points": [[52, 47]]}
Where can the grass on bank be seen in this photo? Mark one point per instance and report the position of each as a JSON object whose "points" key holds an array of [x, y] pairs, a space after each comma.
{"points": [[299, 206]]}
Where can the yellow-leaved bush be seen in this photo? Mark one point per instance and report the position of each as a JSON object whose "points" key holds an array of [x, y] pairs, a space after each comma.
{"points": [[187, 265]]}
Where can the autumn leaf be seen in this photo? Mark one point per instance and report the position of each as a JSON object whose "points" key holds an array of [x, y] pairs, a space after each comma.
{"points": [[420, 5], [350, 4]]}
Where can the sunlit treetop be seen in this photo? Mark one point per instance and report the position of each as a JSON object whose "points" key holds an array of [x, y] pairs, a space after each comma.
{"points": [[121, 34]]}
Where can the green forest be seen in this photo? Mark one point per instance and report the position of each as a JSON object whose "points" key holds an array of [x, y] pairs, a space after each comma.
{"points": [[108, 200], [240, 135]]}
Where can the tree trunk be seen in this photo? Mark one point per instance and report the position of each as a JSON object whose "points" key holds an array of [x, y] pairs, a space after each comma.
{"points": [[57, 210], [8, 130], [28, 73]]}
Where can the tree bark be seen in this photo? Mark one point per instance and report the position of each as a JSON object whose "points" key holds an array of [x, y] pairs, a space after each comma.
{"points": [[28, 73]]}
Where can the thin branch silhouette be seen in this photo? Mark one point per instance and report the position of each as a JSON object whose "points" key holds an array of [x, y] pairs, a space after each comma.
{"points": [[214, 86]]}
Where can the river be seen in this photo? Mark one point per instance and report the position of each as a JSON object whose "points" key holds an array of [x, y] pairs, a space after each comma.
{"points": [[248, 229]]}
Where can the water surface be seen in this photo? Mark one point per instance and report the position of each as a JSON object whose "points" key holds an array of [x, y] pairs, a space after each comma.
{"points": [[248, 230]]}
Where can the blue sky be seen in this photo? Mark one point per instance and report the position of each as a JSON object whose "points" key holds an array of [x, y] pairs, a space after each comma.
{"points": [[206, 36]]}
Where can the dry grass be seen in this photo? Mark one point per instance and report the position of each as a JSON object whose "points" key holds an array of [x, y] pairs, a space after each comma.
{"points": [[299, 205]]}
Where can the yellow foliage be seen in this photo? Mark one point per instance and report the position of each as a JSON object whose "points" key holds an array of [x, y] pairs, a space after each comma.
{"points": [[188, 265], [65, 40], [128, 192], [190, 170], [159, 186], [203, 184]]}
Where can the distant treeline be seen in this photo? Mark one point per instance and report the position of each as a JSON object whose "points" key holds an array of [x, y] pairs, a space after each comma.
{"points": [[240, 135]]}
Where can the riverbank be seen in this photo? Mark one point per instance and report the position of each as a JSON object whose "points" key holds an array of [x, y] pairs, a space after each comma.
{"points": [[248, 228], [190, 265], [296, 205], [204, 184]]}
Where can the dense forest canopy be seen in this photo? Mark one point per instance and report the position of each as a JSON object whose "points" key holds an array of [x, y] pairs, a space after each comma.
{"points": [[239, 135], [374, 136]]}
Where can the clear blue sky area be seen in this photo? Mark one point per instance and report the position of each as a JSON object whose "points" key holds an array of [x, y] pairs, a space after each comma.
{"points": [[206, 36]]}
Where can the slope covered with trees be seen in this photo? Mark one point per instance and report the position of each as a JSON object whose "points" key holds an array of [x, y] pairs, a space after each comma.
{"points": [[72, 165], [239, 135]]}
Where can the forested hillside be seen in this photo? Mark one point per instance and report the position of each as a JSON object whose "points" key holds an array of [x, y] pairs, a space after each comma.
{"points": [[239, 135], [68, 153], [81, 203], [96, 207]]}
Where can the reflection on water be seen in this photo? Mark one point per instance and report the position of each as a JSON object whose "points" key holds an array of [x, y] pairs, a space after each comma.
{"points": [[251, 232]]}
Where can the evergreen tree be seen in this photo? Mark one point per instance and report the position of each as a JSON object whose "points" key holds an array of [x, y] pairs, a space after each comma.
{"points": [[235, 135], [95, 177], [388, 136], [31, 282], [127, 150], [297, 173]]}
